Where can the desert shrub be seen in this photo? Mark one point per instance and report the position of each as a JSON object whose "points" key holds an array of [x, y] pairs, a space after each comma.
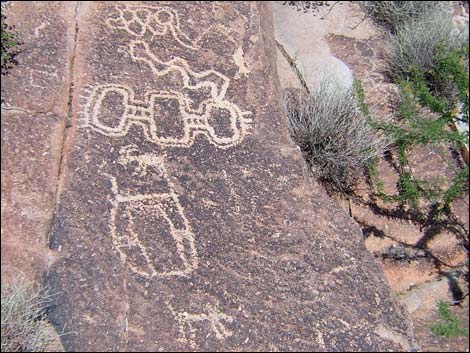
{"points": [[448, 324], [393, 14], [23, 318], [428, 59], [9, 41], [412, 128], [449, 79], [333, 134], [459, 186], [418, 40]]}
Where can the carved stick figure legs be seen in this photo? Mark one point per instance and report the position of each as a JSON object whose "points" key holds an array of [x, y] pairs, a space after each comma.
{"points": [[150, 231]]}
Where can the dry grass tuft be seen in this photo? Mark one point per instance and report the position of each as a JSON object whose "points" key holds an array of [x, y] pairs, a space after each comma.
{"points": [[417, 41], [23, 324], [333, 134]]}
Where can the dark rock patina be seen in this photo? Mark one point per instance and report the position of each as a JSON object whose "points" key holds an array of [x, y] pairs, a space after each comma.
{"points": [[186, 221], [34, 114]]}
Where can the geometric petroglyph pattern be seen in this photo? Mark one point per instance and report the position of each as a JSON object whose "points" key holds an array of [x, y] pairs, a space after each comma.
{"points": [[219, 120], [166, 204], [221, 123], [158, 21], [212, 316], [152, 21]]}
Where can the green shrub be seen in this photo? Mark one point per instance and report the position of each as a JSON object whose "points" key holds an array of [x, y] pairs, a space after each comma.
{"points": [[428, 59], [448, 325], [333, 134], [459, 186], [412, 129], [23, 319], [9, 40]]}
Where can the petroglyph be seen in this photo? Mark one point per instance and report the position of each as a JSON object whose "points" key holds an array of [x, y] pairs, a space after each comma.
{"points": [[42, 77], [138, 20], [219, 120], [141, 20], [165, 204], [140, 51], [212, 316], [38, 28], [145, 114], [239, 59]]}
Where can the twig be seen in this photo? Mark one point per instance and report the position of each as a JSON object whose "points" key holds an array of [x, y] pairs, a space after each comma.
{"points": [[331, 8], [294, 66]]}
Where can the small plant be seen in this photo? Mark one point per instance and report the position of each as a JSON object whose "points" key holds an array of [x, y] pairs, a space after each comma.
{"points": [[428, 59], [448, 325], [23, 319], [410, 130], [459, 186], [418, 40], [9, 40], [393, 14], [334, 135]]}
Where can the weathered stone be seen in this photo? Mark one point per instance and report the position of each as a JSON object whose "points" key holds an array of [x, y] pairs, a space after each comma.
{"points": [[426, 295], [186, 221], [34, 111], [28, 188], [40, 81], [303, 36]]}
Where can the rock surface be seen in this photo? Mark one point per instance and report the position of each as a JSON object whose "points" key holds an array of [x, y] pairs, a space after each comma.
{"points": [[186, 220], [303, 37], [412, 251], [34, 114]]}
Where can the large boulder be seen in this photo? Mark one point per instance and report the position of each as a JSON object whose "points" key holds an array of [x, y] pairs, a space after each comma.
{"points": [[186, 219]]}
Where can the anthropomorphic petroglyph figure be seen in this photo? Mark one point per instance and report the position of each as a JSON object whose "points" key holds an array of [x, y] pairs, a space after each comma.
{"points": [[132, 208], [211, 316]]}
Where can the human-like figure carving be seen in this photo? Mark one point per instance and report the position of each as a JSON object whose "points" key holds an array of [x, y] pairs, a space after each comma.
{"points": [[128, 206], [211, 315]]}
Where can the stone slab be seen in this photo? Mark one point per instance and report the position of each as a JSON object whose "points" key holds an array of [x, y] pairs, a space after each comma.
{"points": [[34, 112], [187, 220], [40, 81], [303, 35]]}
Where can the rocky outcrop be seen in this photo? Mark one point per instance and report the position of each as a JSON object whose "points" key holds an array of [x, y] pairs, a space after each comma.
{"points": [[34, 115], [186, 219], [302, 37]]}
